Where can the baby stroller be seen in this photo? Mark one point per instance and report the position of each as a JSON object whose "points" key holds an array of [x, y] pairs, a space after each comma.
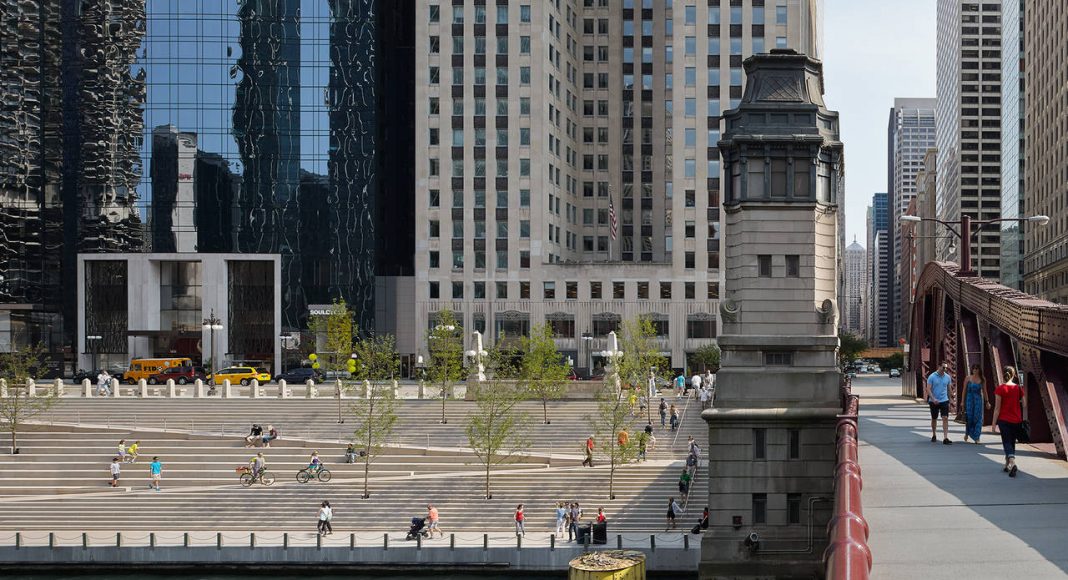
{"points": [[418, 529]]}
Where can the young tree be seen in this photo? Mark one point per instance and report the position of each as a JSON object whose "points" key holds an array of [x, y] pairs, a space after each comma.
{"points": [[542, 371], [707, 357], [339, 328], [446, 348], [375, 414], [641, 356], [850, 347], [17, 406], [497, 430], [613, 418]]}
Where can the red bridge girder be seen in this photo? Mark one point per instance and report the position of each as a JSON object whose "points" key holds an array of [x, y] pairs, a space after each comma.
{"points": [[971, 320]]}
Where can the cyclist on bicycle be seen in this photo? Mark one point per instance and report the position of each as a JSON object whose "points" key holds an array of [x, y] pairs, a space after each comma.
{"points": [[258, 464], [315, 464]]}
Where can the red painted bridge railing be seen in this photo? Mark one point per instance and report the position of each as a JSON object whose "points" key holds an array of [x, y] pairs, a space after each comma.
{"points": [[847, 556]]}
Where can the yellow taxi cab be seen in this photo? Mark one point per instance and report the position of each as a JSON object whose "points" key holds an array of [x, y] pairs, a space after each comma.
{"points": [[243, 375]]}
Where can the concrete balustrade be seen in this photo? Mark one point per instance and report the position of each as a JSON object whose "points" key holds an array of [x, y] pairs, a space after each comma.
{"points": [[254, 392], [31, 387], [198, 389], [312, 391], [283, 390], [3, 388], [142, 388], [115, 387], [227, 392], [170, 388]]}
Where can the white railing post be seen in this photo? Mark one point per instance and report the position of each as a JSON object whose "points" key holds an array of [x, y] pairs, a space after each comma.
{"points": [[282, 390], [311, 391], [170, 388], [115, 387], [396, 389], [87, 388], [366, 389], [255, 394], [3, 387], [31, 387], [226, 389], [57, 386], [198, 389], [142, 390]]}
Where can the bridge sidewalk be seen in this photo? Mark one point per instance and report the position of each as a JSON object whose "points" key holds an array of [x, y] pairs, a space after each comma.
{"points": [[938, 511]]}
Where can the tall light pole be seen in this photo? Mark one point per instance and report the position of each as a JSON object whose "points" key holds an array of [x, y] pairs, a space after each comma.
{"points": [[285, 339], [211, 324], [94, 347], [587, 339], [443, 332], [965, 233]]}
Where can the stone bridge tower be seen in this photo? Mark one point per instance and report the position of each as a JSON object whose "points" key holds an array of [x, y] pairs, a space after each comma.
{"points": [[771, 433]]}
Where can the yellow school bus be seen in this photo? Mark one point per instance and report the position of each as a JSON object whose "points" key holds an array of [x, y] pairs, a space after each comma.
{"points": [[142, 368]]}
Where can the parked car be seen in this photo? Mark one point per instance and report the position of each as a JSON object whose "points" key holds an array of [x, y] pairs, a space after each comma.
{"points": [[83, 374], [895, 373], [299, 375], [180, 375], [243, 375], [572, 375]]}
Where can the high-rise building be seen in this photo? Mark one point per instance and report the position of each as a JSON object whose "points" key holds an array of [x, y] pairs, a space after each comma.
{"points": [[856, 290], [880, 251], [1046, 172], [590, 130], [968, 121], [910, 133], [1012, 142], [251, 127]]}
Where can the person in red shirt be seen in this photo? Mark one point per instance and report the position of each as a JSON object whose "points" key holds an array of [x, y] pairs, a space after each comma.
{"points": [[519, 531], [1010, 407], [600, 515], [588, 461]]}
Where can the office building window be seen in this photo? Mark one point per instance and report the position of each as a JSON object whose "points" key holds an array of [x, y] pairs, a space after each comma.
{"points": [[793, 508], [619, 291], [434, 290], [760, 508], [793, 266], [760, 443], [764, 265], [502, 290], [595, 290]]}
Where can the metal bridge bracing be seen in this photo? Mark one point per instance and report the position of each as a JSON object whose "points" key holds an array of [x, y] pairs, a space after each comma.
{"points": [[971, 320]]}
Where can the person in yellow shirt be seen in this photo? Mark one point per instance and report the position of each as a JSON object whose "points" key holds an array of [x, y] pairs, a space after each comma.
{"points": [[131, 452]]}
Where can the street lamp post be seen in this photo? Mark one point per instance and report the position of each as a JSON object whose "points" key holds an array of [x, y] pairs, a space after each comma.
{"points": [[286, 339], [94, 340], [477, 355], [443, 332], [587, 339], [211, 324], [965, 233]]}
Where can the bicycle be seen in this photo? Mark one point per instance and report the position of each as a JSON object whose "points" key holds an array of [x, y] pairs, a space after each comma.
{"points": [[305, 475], [262, 477]]}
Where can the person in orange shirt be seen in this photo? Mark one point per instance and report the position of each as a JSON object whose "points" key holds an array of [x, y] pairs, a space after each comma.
{"points": [[623, 438], [432, 521], [588, 461]]}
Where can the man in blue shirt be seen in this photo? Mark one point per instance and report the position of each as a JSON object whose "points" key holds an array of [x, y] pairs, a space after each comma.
{"points": [[936, 393], [157, 472]]}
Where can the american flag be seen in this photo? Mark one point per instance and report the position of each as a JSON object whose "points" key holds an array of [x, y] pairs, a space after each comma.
{"points": [[611, 219]]}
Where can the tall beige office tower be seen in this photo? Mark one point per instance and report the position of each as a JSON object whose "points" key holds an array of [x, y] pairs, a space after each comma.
{"points": [[1046, 172], [968, 124], [567, 169]]}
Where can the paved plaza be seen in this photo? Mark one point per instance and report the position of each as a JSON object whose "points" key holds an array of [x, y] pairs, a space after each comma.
{"points": [[938, 511]]}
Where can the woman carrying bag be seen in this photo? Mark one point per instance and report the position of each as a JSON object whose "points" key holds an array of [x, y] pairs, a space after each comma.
{"points": [[1010, 408]]}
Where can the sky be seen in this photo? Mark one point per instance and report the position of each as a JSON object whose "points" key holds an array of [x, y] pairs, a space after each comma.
{"points": [[873, 51]]}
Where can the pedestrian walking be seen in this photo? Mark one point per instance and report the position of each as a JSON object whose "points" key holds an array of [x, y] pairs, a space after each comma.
{"points": [[936, 393], [561, 518], [672, 511], [131, 452], [519, 520], [680, 385], [643, 442], [975, 404], [684, 481], [652, 438], [116, 468], [696, 383], [122, 450], [103, 384], [155, 473], [663, 413], [674, 417], [325, 515], [432, 518], [588, 449], [1010, 408]]}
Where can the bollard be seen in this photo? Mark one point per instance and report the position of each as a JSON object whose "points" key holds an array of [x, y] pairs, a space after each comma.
{"points": [[318, 541], [552, 542], [31, 388], [518, 542], [366, 389], [352, 541], [452, 541], [18, 540], [57, 387], [85, 540], [587, 539], [87, 388], [198, 389], [115, 387], [185, 540], [485, 542], [218, 540], [422, 390], [385, 541], [3, 388], [142, 388], [170, 388], [152, 539], [227, 393], [282, 394], [310, 392], [118, 539], [255, 392], [51, 540], [419, 541], [252, 540], [686, 541], [619, 541], [652, 542], [285, 541]]}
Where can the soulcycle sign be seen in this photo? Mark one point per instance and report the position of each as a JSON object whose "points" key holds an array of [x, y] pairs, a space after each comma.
{"points": [[320, 309]]}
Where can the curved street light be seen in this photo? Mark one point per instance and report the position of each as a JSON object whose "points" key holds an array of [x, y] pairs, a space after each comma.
{"points": [[965, 233]]}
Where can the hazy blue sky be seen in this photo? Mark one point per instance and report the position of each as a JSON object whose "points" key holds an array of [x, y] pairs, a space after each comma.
{"points": [[873, 51]]}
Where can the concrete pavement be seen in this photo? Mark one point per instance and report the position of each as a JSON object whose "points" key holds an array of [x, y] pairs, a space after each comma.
{"points": [[938, 511]]}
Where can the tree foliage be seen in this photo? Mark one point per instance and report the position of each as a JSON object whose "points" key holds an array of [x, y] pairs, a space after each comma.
{"points": [[707, 357], [339, 327], [641, 352], [849, 348], [497, 430], [613, 416], [445, 346], [542, 371], [16, 404], [375, 414]]}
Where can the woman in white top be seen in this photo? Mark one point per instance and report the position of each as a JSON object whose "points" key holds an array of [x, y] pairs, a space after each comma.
{"points": [[325, 515]]}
